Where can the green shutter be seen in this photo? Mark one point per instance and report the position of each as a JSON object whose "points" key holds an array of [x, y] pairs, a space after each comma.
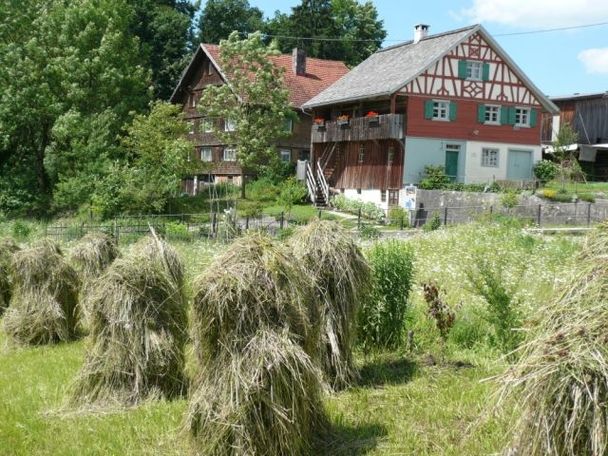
{"points": [[504, 115], [428, 109], [485, 71], [481, 113], [533, 115], [452, 110], [462, 69], [511, 116]]}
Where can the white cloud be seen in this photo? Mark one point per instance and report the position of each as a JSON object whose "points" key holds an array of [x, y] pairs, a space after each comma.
{"points": [[537, 13], [595, 60]]}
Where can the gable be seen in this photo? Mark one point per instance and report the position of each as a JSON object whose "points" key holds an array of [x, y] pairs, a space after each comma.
{"points": [[502, 85]]}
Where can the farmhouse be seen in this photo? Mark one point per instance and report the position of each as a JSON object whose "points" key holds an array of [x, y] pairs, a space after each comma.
{"points": [[454, 99], [304, 78], [588, 116]]}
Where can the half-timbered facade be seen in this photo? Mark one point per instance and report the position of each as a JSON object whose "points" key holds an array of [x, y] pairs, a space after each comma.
{"points": [[304, 78], [453, 99]]}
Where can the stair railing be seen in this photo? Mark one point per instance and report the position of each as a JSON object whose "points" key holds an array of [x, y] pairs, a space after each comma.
{"points": [[323, 183], [327, 157], [311, 184]]}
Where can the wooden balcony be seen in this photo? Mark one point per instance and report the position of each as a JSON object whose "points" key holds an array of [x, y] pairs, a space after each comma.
{"points": [[386, 126]]}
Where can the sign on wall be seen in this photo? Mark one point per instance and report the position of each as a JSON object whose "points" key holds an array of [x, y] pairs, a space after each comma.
{"points": [[409, 197]]}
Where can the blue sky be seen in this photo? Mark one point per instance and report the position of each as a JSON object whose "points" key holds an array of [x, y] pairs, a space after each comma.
{"points": [[559, 63]]}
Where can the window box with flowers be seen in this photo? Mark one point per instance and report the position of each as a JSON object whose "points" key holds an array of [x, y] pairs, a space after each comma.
{"points": [[373, 118], [319, 123], [343, 120]]}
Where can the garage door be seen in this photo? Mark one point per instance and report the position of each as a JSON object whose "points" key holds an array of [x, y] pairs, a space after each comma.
{"points": [[519, 165]]}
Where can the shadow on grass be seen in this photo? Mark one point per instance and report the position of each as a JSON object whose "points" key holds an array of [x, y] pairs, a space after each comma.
{"points": [[386, 370], [346, 440]]}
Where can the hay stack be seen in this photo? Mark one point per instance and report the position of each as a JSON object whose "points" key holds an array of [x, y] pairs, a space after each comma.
{"points": [[259, 391], [262, 400], [137, 330], [253, 286], [91, 256], [7, 248], [561, 380], [341, 275], [43, 307]]}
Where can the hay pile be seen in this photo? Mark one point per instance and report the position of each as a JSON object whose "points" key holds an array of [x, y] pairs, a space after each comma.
{"points": [[258, 392], [137, 330], [561, 380], [43, 307], [341, 277], [91, 256], [7, 248]]}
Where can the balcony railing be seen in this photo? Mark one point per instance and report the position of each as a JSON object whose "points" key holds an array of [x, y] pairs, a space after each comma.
{"points": [[386, 126]]}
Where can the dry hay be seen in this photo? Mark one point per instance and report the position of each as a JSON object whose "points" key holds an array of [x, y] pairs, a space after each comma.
{"points": [[7, 248], [91, 256], [254, 285], [341, 275], [43, 307], [560, 384], [262, 400], [137, 330]]}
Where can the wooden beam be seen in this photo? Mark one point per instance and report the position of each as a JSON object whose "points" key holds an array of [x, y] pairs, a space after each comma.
{"points": [[393, 102]]}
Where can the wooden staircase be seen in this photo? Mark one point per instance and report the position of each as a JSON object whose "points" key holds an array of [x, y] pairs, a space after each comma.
{"points": [[318, 190]]}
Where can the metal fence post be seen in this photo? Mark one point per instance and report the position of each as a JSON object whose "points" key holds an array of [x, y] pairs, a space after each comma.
{"points": [[359, 219], [491, 209], [247, 222], [320, 214], [282, 219], [445, 215], [589, 214], [538, 216], [213, 223], [402, 221]]}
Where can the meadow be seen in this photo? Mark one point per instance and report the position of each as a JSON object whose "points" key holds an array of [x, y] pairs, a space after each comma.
{"points": [[426, 397]]}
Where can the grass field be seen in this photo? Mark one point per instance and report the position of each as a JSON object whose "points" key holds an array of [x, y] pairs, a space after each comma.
{"points": [[405, 403]]}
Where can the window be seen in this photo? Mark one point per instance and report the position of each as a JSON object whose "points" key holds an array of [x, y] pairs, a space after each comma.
{"points": [[441, 110], [489, 158], [207, 125], [285, 155], [391, 154], [474, 71], [492, 114], [383, 196], [361, 153], [522, 117], [305, 154], [229, 154], [191, 127], [229, 125], [206, 154], [192, 100], [358, 191], [288, 125]]}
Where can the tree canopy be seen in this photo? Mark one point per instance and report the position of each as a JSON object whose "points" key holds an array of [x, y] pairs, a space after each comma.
{"points": [[219, 18]]}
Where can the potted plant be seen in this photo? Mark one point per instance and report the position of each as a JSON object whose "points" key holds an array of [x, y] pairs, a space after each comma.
{"points": [[372, 117], [343, 119], [319, 123]]}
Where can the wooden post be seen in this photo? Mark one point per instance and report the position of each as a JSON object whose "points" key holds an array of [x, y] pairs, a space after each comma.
{"points": [[320, 214], [491, 209], [359, 219], [282, 219], [213, 223], [445, 216], [538, 216], [247, 222], [589, 214], [393, 103]]}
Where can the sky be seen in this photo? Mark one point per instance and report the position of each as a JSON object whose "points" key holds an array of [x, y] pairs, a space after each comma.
{"points": [[559, 63]]}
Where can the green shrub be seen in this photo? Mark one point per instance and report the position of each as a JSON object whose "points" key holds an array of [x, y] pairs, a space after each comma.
{"points": [[292, 192], [251, 209], [438, 310], [433, 224], [397, 216], [489, 281], [367, 231], [21, 230], [382, 316], [546, 170], [509, 199], [588, 197], [435, 178], [263, 190], [177, 230], [368, 210]]}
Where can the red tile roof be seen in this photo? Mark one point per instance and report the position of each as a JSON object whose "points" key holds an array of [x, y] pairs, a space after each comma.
{"points": [[320, 74]]}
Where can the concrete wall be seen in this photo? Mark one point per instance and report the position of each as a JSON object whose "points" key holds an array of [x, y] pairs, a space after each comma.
{"points": [[367, 196]]}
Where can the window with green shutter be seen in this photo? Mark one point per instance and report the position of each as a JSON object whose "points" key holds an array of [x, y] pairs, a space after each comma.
{"points": [[462, 69], [452, 111], [504, 115], [485, 72], [481, 113], [511, 116], [428, 109], [533, 116]]}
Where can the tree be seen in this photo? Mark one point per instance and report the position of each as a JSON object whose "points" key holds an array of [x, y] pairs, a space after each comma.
{"points": [[220, 18], [352, 28], [157, 159], [569, 167], [254, 99]]}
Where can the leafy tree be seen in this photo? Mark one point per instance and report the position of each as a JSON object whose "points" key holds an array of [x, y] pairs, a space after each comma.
{"points": [[292, 192], [220, 18], [255, 100], [569, 167], [353, 29]]}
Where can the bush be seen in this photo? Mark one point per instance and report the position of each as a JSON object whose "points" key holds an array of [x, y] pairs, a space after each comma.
{"points": [[433, 224], [398, 216], [251, 209], [546, 170], [509, 199], [588, 197], [292, 192], [367, 231], [21, 230], [368, 210], [263, 189], [177, 230], [435, 178], [382, 317]]}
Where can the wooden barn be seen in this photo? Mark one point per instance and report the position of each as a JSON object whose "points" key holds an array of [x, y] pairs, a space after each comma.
{"points": [[304, 78], [588, 116], [454, 99]]}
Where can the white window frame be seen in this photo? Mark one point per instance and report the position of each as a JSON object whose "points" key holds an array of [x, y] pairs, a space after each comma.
{"points": [[490, 157], [207, 125], [227, 152], [441, 110], [288, 126], [474, 70], [494, 109], [520, 112], [210, 155], [285, 153], [229, 125]]}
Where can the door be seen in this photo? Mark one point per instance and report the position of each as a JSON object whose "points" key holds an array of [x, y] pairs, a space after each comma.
{"points": [[519, 165], [393, 198], [451, 163]]}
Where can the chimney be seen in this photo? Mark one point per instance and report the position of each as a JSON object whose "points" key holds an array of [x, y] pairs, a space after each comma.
{"points": [[298, 57], [420, 31]]}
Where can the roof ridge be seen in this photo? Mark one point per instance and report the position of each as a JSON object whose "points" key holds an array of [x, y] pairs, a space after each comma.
{"points": [[430, 37], [287, 55]]}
